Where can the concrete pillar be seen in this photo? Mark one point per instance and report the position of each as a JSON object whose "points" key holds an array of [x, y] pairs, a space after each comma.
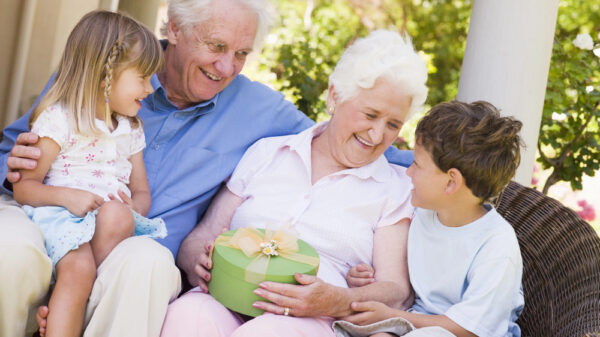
{"points": [[144, 11], [506, 62]]}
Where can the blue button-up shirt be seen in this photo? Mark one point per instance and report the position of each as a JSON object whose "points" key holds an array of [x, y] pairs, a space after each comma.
{"points": [[190, 152]]}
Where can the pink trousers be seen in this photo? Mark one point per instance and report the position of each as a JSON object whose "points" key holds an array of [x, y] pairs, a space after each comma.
{"points": [[199, 314]]}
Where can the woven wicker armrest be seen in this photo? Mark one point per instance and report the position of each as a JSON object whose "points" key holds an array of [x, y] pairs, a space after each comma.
{"points": [[561, 265]]}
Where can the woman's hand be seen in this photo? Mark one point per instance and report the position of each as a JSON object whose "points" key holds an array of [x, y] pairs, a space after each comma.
{"points": [[22, 156], [370, 312], [360, 275], [312, 297]]}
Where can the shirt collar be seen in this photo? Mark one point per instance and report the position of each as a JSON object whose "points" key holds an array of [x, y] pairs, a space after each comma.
{"points": [[123, 126], [301, 144], [159, 101]]}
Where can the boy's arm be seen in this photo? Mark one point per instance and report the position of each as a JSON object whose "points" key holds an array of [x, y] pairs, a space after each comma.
{"points": [[138, 185], [371, 312], [31, 191]]}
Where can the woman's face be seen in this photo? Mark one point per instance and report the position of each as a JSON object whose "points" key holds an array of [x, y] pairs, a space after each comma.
{"points": [[364, 126]]}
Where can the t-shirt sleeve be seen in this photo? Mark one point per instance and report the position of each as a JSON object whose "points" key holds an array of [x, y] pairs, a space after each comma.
{"points": [[398, 204], [247, 167], [138, 140], [488, 301], [54, 124]]}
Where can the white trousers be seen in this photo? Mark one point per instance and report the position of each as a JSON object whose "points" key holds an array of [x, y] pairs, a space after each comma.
{"points": [[133, 288]]}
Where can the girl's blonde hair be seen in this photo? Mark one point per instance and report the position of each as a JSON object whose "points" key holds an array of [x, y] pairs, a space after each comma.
{"points": [[101, 45]]}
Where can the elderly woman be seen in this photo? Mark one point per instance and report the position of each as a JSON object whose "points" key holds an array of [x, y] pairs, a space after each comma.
{"points": [[334, 185]]}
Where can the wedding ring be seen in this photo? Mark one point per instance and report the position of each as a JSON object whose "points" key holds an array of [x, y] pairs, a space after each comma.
{"points": [[286, 311]]}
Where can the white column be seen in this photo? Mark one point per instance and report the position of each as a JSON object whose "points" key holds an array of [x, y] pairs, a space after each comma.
{"points": [[506, 62]]}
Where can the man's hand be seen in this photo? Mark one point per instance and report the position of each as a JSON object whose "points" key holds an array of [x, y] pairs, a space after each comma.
{"points": [[370, 312], [80, 202], [200, 273], [22, 156], [360, 275]]}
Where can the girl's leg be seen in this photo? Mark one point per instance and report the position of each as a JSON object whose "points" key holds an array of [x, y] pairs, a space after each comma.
{"points": [[114, 223], [75, 275]]}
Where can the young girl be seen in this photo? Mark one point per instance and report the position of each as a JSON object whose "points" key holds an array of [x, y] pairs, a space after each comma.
{"points": [[89, 190]]}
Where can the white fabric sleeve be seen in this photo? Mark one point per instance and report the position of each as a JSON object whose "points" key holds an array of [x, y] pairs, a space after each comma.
{"points": [[487, 303], [138, 140], [54, 124], [398, 204], [251, 162]]}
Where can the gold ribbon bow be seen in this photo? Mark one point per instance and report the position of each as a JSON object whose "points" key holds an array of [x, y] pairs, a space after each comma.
{"points": [[263, 247]]}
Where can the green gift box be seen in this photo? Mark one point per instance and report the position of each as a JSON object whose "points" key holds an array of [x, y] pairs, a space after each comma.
{"points": [[237, 270]]}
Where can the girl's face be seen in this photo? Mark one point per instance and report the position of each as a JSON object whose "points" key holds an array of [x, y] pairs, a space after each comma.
{"points": [[128, 90]]}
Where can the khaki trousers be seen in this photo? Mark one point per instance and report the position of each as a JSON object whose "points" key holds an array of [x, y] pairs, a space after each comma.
{"points": [[133, 288]]}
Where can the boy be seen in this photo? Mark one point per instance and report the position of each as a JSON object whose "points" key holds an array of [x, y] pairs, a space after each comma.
{"points": [[463, 257]]}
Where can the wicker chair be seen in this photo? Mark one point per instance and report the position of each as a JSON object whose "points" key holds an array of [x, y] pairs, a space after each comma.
{"points": [[561, 265]]}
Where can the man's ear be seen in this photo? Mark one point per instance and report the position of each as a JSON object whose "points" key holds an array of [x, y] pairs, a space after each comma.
{"points": [[455, 181], [173, 32]]}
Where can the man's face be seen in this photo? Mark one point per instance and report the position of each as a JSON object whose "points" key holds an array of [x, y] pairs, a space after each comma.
{"points": [[205, 58]]}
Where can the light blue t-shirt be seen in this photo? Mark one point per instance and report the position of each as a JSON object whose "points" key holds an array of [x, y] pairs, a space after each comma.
{"points": [[471, 274], [190, 152]]}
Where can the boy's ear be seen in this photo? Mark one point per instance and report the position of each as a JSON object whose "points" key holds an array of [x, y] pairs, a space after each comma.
{"points": [[455, 181]]}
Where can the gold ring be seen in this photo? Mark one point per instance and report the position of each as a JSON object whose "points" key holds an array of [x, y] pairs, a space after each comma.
{"points": [[286, 311]]}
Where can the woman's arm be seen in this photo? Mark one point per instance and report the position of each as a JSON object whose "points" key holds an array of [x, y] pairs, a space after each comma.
{"points": [[31, 191], [138, 185], [313, 297], [193, 256]]}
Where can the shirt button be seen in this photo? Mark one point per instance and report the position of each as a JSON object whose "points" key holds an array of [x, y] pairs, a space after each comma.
{"points": [[156, 146]]}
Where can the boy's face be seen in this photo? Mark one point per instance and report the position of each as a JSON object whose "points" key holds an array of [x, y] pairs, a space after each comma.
{"points": [[429, 182]]}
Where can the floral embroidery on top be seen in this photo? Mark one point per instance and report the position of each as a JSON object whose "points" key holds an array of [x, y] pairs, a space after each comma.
{"points": [[97, 173], [89, 157]]}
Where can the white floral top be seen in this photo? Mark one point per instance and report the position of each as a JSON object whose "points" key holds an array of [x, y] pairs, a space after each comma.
{"points": [[98, 164]]}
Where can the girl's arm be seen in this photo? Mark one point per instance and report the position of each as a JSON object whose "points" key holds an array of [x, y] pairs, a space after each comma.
{"points": [[31, 191], [138, 185], [314, 297]]}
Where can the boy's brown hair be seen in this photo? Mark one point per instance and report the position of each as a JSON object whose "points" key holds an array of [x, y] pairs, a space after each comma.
{"points": [[474, 139]]}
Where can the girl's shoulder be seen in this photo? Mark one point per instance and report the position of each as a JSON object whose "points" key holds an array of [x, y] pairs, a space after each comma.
{"points": [[54, 122]]}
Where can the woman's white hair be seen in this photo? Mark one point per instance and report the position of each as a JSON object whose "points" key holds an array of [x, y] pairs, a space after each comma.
{"points": [[188, 13], [382, 54]]}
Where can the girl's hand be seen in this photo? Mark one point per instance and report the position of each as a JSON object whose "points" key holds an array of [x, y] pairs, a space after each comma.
{"points": [[360, 275], [123, 198], [370, 312], [80, 202]]}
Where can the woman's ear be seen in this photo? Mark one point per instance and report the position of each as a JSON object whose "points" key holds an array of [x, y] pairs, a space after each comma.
{"points": [[173, 32], [455, 181], [331, 100]]}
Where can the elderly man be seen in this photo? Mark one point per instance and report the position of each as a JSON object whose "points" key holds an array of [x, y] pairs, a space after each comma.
{"points": [[198, 122]]}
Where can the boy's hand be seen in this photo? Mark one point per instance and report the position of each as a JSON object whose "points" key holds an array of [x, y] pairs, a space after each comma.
{"points": [[80, 202], [360, 275], [370, 312]]}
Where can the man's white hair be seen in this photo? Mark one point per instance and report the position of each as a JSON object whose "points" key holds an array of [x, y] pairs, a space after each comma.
{"points": [[188, 13], [382, 54]]}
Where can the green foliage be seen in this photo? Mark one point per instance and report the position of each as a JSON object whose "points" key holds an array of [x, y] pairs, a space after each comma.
{"points": [[303, 49], [569, 136]]}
